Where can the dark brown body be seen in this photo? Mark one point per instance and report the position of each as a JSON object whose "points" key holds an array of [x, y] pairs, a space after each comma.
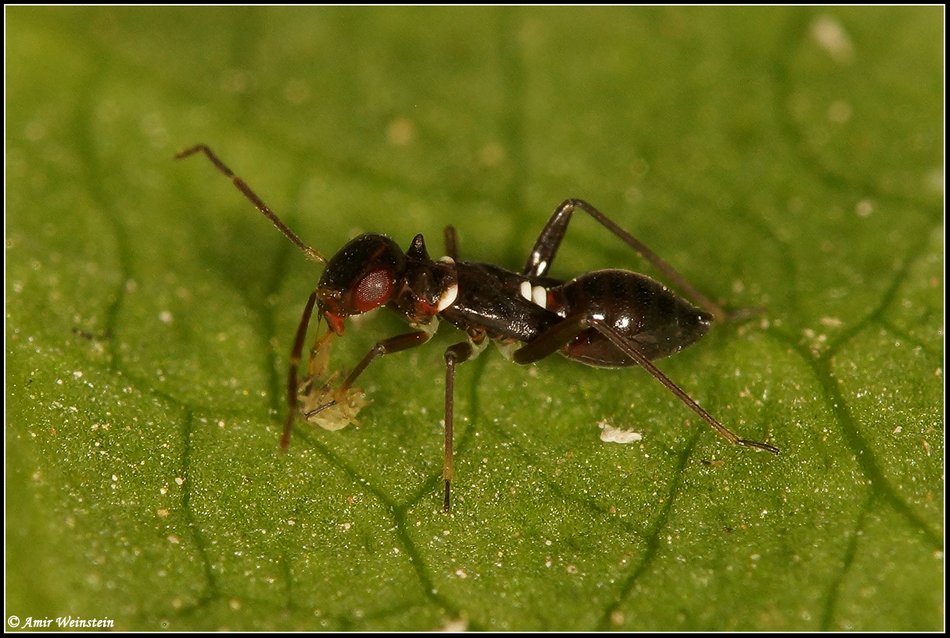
{"points": [[642, 310], [606, 318]]}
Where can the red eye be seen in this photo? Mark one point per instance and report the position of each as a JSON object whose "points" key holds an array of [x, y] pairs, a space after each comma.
{"points": [[373, 290]]}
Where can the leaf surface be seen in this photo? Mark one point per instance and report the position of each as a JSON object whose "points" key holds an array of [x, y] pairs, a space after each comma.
{"points": [[783, 158]]}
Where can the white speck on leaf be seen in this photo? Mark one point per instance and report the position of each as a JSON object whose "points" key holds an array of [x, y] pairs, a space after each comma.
{"points": [[610, 434]]}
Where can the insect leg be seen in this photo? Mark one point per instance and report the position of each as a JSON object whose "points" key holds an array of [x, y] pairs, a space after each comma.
{"points": [[564, 331], [551, 340], [292, 372], [387, 346], [631, 351], [382, 347], [546, 246], [451, 242], [458, 353]]}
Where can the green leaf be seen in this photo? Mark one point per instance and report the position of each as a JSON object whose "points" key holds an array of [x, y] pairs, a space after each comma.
{"points": [[783, 158]]}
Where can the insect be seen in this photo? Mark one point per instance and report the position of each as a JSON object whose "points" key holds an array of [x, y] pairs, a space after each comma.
{"points": [[605, 318]]}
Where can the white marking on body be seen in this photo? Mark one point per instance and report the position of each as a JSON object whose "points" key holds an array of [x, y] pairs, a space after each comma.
{"points": [[526, 290], [539, 296], [540, 265], [451, 292], [448, 297]]}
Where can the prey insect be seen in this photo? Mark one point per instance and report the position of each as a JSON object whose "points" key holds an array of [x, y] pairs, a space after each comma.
{"points": [[605, 318]]}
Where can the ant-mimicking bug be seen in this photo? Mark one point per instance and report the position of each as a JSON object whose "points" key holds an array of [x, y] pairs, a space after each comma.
{"points": [[605, 318]]}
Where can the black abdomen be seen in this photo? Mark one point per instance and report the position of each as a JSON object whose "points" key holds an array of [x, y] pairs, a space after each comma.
{"points": [[655, 320]]}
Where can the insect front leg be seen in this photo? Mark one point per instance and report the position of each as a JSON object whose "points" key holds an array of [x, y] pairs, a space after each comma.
{"points": [[548, 242], [387, 346], [334, 409], [292, 386]]}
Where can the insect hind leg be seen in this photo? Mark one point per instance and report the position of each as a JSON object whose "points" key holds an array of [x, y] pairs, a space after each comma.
{"points": [[631, 351], [548, 242], [561, 333]]}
